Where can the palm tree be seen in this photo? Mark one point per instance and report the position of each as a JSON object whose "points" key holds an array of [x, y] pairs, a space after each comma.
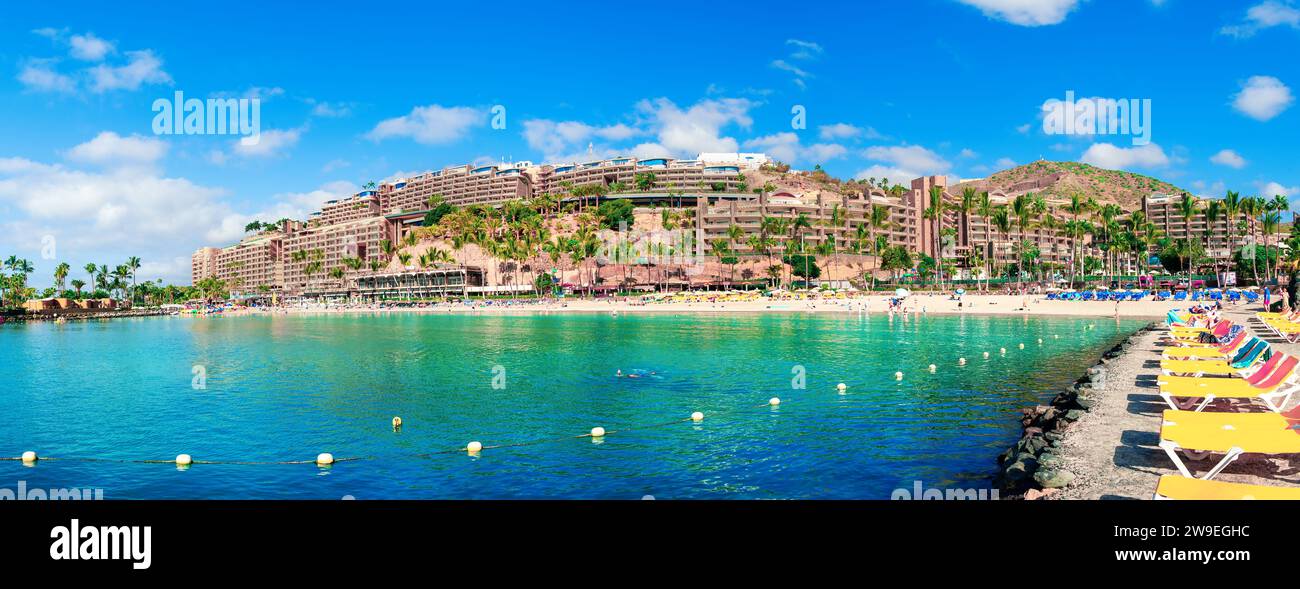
{"points": [[1280, 205], [1270, 223], [103, 277], [984, 208], [934, 213], [1231, 208], [60, 275], [91, 269], [1213, 210], [77, 283], [1001, 219], [1023, 208], [1187, 210], [1251, 207], [1078, 206], [133, 263]]}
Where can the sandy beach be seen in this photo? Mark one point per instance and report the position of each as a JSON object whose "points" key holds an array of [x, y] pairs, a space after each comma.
{"points": [[974, 304]]}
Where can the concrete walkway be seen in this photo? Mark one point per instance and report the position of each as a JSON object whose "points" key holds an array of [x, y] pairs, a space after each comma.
{"points": [[1113, 451]]}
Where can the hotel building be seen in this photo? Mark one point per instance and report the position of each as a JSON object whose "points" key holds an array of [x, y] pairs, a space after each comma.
{"points": [[296, 259]]}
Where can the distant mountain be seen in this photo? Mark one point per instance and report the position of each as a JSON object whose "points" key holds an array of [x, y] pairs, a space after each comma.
{"points": [[1059, 180]]}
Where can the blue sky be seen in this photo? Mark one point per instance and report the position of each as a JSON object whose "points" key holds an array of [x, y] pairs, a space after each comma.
{"points": [[358, 92]]}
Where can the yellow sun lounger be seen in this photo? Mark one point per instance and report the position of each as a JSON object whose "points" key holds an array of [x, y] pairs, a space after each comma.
{"points": [[1273, 383], [1196, 367], [1176, 487], [1200, 434]]}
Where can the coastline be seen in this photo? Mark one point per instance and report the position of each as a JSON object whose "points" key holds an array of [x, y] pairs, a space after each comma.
{"points": [[1045, 462], [924, 304]]}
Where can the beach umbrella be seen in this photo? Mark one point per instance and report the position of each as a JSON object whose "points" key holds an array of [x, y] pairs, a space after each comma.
{"points": [[961, 291], [902, 292]]}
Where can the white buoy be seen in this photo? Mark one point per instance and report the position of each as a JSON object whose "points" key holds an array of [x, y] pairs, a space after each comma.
{"points": [[1040, 340], [474, 447], [841, 387], [774, 401], [986, 354], [397, 423], [597, 432], [898, 376], [961, 361], [697, 416], [933, 368], [1022, 346], [184, 460], [1055, 336], [1002, 350], [29, 456], [325, 459]]}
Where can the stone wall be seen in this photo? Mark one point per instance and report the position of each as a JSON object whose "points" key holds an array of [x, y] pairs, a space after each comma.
{"points": [[1032, 467]]}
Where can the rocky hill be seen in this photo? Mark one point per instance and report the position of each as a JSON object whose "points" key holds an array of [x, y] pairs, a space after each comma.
{"points": [[1059, 180]]}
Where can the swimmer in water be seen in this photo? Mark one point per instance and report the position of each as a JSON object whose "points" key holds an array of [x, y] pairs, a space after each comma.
{"points": [[618, 374]]}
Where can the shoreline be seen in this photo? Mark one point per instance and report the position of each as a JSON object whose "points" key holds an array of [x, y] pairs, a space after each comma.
{"points": [[915, 305], [1041, 463]]}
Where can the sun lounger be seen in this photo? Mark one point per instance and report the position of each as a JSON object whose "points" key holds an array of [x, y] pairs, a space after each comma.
{"points": [[1207, 352], [1179, 487], [1273, 384], [1247, 356], [1199, 434]]}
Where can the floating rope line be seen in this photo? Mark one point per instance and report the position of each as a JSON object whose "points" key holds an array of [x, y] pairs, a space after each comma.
{"points": [[184, 460], [155, 461]]}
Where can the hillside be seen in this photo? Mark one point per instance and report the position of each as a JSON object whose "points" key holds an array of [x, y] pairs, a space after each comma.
{"points": [[1059, 180]]}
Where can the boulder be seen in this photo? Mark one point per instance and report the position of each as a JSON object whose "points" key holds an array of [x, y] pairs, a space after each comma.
{"points": [[1053, 478]]}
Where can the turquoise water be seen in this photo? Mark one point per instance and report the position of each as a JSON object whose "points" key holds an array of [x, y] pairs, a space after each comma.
{"points": [[286, 388]]}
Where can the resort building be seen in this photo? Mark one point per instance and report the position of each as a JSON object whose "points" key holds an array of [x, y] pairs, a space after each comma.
{"points": [[203, 264], [312, 254], [420, 284], [252, 265], [339, 251], [1163, 211]]}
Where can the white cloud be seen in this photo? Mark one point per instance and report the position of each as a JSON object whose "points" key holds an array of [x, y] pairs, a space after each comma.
{"points": [[894, 174], [688, 132], [1023, 129], [913, 161], [110, 148], [560, 140], [804, 49], [38, 75], [1209, 190], [1107, 155], [88, 47], [142, 67], [1028, 13], [105, 216], [1005, 163], [1230, 158], [330, 110], [786, 147], [838, 131], [1263, 97], [431, 125], [1264, 15], [121, 210], [271, 142], [1271, 189], [651, 150], [968, 153]]}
